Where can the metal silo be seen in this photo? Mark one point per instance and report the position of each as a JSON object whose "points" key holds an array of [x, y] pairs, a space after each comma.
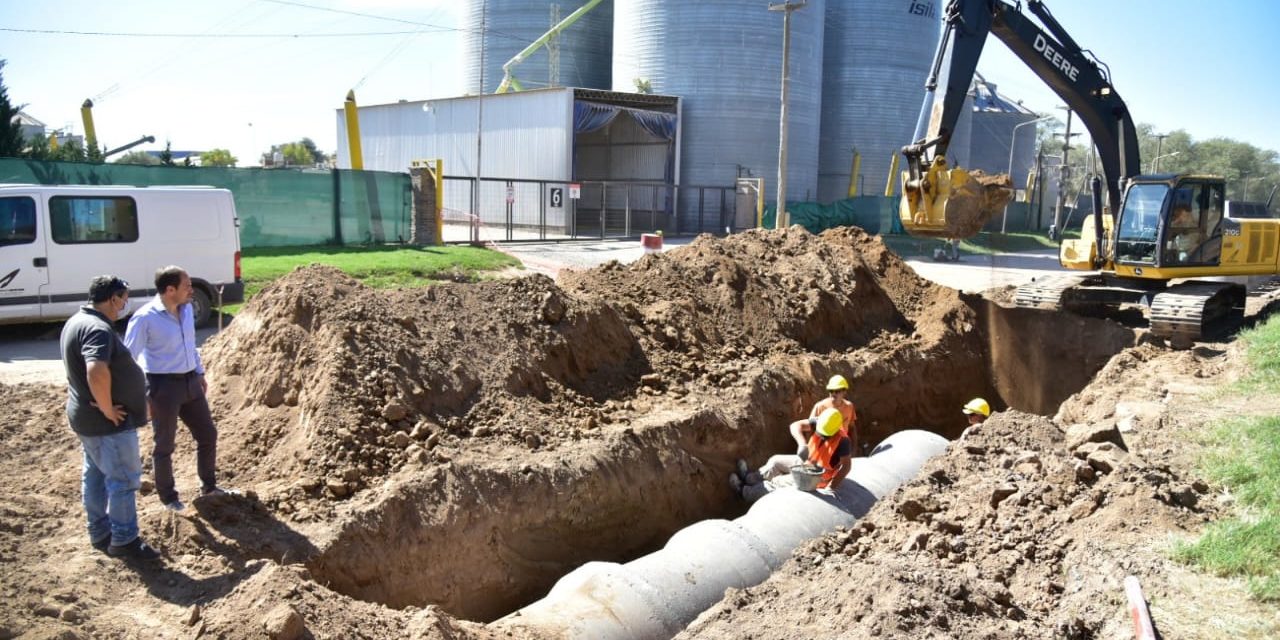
{"points": [[962, 138], [877, 57], [723, 58], [496, 30], [994, 119]]}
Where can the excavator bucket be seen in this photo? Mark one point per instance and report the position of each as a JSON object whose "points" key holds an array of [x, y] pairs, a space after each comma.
{"points": [[951, 203]]}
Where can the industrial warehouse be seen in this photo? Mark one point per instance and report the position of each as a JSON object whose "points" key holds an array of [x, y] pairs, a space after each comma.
{"points": [[681, 319]]}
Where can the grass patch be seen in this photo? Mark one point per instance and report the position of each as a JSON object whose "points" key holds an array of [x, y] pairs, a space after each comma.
{"points": [[380, 267], [985, 243], [1243, 454]]}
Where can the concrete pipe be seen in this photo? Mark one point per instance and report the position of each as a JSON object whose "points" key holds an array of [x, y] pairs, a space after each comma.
{"points": [[658, 595]]}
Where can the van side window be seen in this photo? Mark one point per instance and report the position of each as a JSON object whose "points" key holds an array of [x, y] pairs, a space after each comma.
{"points": [[93, 219], [17, 220]]}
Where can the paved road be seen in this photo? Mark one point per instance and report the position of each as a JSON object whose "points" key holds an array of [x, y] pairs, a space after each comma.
{"points": [[30, 353]]}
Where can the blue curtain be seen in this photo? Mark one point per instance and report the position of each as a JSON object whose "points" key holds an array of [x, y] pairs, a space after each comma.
{"points": [[592, 116], [657, 124]]}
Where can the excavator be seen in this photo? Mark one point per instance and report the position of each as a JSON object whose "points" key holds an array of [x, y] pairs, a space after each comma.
{"points": [[1174, 240]]}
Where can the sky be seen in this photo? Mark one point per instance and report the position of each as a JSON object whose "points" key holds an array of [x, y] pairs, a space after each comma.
{"points": [[246, 74]]}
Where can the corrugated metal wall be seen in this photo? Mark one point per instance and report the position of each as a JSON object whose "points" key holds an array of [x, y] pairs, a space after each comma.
{"points": [[962, 139], [877, 57], [724, 59], [526, 134], [586, 48], [989, 148]]}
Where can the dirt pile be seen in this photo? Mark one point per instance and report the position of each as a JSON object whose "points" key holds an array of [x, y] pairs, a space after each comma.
{"points": [[1025, 529], [338, 384], [975, 201]]}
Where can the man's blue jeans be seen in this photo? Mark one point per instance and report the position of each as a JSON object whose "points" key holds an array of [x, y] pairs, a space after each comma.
{"points": [[112, 475]]}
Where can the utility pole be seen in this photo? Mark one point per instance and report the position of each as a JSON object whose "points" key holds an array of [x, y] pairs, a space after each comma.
{"points": [[1159, 147], [1056, 229], [781, 218], [475, 186]]}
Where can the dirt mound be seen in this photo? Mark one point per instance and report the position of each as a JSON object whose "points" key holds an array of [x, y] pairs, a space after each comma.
{"points": [[368, 374], [336, 384], [974, 202]]}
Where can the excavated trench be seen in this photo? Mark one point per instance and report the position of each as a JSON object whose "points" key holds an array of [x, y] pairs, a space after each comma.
{"points": [[467, 445], [481, 540]]}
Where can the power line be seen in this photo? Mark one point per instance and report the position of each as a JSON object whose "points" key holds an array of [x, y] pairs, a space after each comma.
{"points": [[129, 34], [303, 5]]}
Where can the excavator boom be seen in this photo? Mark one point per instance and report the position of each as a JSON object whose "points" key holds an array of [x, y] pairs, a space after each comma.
{"points": [[942, 201]]}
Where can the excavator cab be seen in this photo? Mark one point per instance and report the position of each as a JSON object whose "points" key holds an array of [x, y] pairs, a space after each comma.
{"points": [[1170, 222]]}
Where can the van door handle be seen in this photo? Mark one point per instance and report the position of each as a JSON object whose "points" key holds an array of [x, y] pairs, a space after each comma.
{"points": [[40, 262]]}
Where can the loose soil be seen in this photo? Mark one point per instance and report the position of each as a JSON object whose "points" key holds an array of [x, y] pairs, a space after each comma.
{"points": [[421, 461], [974, 202]]}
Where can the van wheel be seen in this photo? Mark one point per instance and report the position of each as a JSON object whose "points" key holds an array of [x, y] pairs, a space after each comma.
{"points": [[200, 307]]}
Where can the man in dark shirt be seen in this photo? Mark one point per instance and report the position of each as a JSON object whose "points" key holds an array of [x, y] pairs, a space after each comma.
{"points": [[106, 403]]}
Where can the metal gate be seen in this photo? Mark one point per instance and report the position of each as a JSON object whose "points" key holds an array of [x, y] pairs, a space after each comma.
{"points": [[522, 210]]}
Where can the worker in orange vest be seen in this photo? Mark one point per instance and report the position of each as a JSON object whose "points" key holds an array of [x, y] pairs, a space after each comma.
{"points": [[829, 447], [802, 430]]}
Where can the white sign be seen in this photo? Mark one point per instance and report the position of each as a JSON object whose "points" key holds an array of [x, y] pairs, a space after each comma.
{"points": [[511, 194], [557, 197], [575, 191]]}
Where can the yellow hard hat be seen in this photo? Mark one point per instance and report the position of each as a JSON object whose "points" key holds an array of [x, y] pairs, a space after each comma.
{"points": [[978, 405], [829, 422], [837, 383]]}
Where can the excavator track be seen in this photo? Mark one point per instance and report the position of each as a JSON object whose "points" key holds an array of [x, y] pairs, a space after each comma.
{"points": [[1047, 292], [1194, 311]]}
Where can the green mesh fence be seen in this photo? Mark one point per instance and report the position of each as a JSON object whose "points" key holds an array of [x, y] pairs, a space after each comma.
{"points": [[277, 207], [873, 213], [878, 214]]}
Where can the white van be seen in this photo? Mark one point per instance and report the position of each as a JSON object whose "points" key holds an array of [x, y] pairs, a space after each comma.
{"points": [[55, 239]]}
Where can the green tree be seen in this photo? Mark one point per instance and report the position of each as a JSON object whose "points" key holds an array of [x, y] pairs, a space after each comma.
{"points": [[297, 155], [10, 130], [217, 158], [41, 148], [301, 153], [138, 157], [166, 156]]}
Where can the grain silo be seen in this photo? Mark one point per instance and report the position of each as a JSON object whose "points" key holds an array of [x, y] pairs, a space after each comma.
{"points": [[497, 30], [724, 59], [993, 133], [962, 138], [877, 57]]}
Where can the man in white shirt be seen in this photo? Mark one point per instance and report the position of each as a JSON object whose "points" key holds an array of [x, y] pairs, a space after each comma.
{"points": [[162, 338]]}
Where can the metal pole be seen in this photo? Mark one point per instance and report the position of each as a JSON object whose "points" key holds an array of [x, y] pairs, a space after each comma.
{"points": [[1159, 147], [475, 203], [1013, 138], [1062, 178], [780, 220]]}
